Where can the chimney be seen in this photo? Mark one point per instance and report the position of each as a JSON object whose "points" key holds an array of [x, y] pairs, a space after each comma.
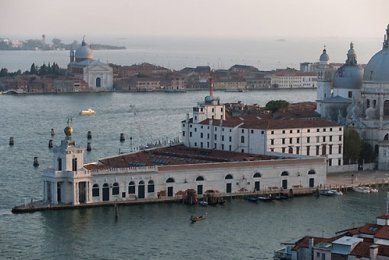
{"points": [[373, 252]]}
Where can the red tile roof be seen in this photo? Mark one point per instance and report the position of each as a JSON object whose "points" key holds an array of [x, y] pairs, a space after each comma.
{"points": [[383, 232], [362, 249]]}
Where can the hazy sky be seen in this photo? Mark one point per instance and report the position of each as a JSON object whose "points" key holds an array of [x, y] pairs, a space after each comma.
{"points": [[195, 18]]}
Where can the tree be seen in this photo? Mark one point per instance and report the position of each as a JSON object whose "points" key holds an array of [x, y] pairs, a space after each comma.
{"points": [[367, 153], [3, 72], [275, 105], [34, 69], [353, 145]]}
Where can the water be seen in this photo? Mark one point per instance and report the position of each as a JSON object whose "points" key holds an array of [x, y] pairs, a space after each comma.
{"points": [[239, 230], [177, 53]]}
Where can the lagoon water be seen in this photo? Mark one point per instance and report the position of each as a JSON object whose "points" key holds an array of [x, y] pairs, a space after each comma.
{"points": [[238, 230]]}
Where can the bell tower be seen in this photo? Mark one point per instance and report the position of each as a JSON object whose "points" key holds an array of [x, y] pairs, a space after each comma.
{"points": [[324, 80]]}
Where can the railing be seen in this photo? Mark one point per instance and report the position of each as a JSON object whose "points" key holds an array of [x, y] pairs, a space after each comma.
{"points": [[126, 170]]}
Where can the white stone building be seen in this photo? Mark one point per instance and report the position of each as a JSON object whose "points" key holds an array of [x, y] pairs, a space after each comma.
{"points": [[168, 172], [98, 75], [291, 78], [208, 129]]}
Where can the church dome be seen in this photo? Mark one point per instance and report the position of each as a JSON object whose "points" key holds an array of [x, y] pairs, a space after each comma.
{"points": [[378, 67], [349, 75], [324, 56], [83, 52]]}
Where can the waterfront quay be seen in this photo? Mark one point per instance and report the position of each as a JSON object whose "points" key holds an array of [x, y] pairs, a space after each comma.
{"points": [[342, 180]]}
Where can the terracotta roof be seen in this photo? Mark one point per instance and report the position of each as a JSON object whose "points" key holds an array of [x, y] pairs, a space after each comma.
{"points": [[174, 156], [303, 243], [383, 250], [383, 232], [362, 249], [386, 216], [370, 229], [252, 122]]}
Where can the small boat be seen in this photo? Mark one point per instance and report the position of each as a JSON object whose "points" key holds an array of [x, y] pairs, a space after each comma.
{"points": [[281, 197], [327, 192], [87, 112], [251, 198], [203, 203], [197, 218], [266, 198], [373, 190], [338, 192], [362, 189]]}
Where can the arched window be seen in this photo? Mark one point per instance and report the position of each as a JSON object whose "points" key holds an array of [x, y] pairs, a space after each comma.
{"points": [[74, 164], [285, 173], [131, 187], [95, 190], [257, 175], [59, 164], [228, 177], [150, 186], [386, 108], [170, 180], [200, 178], [367, 103], [98, 82], [312, 172], [386, 137], [115, 189], [290, 149]]}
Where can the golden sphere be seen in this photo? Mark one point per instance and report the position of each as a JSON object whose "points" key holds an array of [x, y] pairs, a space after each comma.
{"points": [[68, 131]]}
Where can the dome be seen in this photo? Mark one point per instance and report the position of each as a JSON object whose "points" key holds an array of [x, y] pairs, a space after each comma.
{"points": [[324, 56], [349, 76], [377, 69], [68, 131], [83, 52]]}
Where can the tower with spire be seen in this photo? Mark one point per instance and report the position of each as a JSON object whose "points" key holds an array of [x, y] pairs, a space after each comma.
{"points": [[324, 80]]}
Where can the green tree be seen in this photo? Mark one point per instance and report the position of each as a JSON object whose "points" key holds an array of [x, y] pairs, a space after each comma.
{"points": [[275, 105], [43, 70], [34, 69], [367, 153], [353, 145], [3, 72]]}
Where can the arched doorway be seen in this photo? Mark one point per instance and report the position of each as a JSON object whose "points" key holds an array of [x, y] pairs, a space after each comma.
{"points": [[229, 184], [257, 183], [131, 187], [98, 82], [141, 190], [200, 185], [170, 190], [105, 192], [284, 183]]}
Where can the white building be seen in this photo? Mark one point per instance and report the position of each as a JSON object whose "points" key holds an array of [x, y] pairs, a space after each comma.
{"points": [[168, 172], [97, 74], [291, 78], [208, 129]]}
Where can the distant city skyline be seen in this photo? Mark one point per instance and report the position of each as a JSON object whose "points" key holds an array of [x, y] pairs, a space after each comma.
{"points": [[195, 18]]}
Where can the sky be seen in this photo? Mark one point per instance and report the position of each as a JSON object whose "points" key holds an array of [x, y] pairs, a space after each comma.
{"points": [[195, 18]]}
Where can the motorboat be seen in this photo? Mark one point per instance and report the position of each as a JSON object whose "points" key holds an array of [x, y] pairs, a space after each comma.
{"points": [[87, 112], [194, 218], [362, 189], [327, 192], [265, 198], [281, 196], [251, 198], [203, 203]]}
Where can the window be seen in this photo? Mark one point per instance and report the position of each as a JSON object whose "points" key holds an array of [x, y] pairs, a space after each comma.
{"points": [[331, 129], [257, 175], [242, 139], [222, 146], [318, 130], [298, 130], [252, 131], [350, 94], [290, 140], [170, 180], [207, 136], [150, 186], [201, 144], [298, 140], [228, 177], [330, 138], [229, 138], [195, 144], [323, 149], [297, 150], [317, 149], [195, 129], [190, 134], [311, 172], [200, 178], [283, 149], [330, 149], [309, 130], [115, 189], [290, 150], [308, 150], [308, 139], [95, 190], [272, 132], [324, 129], [340, 138], [242, 131], [340, 149], [329, 162], [98, 82], [324, 138], [59, 164], [183, 133], [283, 140], [262, 132], [317, 139], [74, 164], [131, 188], [283, 131], [285, 173], [201, 127], [201, 135], [272, 141], [291, 131], [216, 137]]}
